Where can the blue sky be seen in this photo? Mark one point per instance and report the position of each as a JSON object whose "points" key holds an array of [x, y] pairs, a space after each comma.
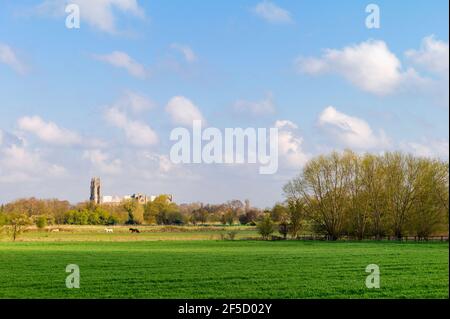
{"points": [[68, 111]]}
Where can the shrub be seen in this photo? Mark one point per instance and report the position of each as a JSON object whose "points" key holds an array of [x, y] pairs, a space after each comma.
{"points": [[41, 222], [283, 229], [265, 227]]}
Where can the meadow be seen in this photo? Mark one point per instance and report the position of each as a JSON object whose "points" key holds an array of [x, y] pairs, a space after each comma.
{"points": [[71, 233], [155, 268]]}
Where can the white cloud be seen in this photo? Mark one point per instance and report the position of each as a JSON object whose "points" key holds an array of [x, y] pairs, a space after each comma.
{"points": [[290, 144], [183, 112], [17, 163], [285, 124], [137, 133], [9, 57], [102, 162], [433, 56], [434, 148], [135, 102], [153, 166], [164, 163], [48, 132], [351, 131], [186, 51], [265, 106], [16, 157], [98, 14], [372, 67], [368, 65], [122, 60], [272, 13]]}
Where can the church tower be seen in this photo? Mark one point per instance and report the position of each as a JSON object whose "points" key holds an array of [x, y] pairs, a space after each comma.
{"points": [[95, 190]]}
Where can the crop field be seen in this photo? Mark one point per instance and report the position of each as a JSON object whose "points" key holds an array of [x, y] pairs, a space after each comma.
{"points": [[222, 269]]}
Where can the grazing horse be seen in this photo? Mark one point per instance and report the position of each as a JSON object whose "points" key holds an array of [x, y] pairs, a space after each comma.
{"points": [[109, 230], [134, 230]]}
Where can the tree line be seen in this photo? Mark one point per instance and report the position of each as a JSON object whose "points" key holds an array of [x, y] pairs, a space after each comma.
{"points": [[371, 196], [161, 211], [335, 195]]}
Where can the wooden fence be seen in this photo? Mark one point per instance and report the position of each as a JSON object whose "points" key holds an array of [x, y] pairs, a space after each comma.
{"points": [[384, 238]]}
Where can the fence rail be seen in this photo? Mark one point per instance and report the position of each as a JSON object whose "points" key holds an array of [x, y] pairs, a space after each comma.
{"points": [[385, 238]]}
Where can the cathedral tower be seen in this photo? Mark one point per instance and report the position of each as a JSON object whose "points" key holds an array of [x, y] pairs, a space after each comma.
{"points": [[95, 190]]}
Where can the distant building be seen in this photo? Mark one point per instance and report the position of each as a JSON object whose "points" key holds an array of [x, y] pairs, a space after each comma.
{"points": [[114, 199], [95, 190]]}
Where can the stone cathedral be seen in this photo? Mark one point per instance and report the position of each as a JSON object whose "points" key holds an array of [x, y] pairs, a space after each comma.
{"points": [[96, 190], [97, 198]]}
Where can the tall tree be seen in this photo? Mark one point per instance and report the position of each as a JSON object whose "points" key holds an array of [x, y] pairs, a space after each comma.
{"points": [[402, 172], [323, 185], [359, 216], [135, 211], [428, 212], [296, 209], [374, 180]]}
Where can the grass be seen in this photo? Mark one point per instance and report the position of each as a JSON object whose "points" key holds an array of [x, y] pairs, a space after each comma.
{"points": [[69, 233], [223, 269]]}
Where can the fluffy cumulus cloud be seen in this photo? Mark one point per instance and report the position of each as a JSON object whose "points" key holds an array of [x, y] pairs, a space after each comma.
{"points": [[48, 132], [351, 131], [153, 166], [432, 59], [164, 164], [262, 107], [99, 14], [370, 66], [19, 163], [290, 144], [102, 162], [183, 112], [433, 56], [122, 60], [18, 157], [135, 102], [272, 13], [136, 132], [187, 52], [9, 57]]}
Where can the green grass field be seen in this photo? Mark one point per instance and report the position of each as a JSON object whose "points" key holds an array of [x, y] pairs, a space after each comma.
{"points": [[223, 269], [70, 233]]}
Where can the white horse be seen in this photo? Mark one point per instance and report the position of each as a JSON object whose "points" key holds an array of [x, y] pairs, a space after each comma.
{"points": [[109, 230]]}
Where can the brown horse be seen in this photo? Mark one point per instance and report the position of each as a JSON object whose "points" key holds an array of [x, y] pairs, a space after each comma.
{"points": [[134, 230]]}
